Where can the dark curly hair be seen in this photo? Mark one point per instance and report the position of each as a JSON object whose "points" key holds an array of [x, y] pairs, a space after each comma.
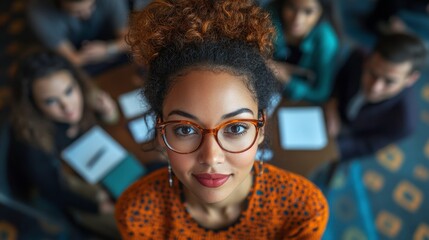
{"points": [[179, 22], [175, 36]]}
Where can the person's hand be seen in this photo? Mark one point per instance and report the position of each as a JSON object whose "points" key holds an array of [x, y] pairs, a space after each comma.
{"points": [[95, 51], [104, 105], [280, 70], [105, 205], [397, 25], [333, 120]]}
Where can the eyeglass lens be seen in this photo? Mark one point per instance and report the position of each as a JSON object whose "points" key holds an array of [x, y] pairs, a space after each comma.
{"points": [[233, 137]]}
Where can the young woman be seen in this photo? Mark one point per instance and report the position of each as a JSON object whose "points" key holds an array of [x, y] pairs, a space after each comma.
{"points": [[53, 105], [209, 86], [305, 48]]}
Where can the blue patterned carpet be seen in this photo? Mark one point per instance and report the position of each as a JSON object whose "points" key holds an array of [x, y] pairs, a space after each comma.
{"points": [[385, 196]]}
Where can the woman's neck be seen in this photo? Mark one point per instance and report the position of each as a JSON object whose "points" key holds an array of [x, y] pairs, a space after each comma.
{"points": [[220, 214], [72, 131], [292, 40]]}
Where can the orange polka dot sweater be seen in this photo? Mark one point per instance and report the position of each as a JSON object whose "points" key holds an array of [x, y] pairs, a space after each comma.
{"points": [[281, 205]]}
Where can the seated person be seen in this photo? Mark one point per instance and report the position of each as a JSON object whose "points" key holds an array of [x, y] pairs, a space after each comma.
{"points": [[306, 45], [209, 87], [53, 104], [373, 103], [86, 32]]}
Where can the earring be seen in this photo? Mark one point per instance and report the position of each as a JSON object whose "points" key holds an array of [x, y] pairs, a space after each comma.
{"points": [[261, 167], [170, 175]]}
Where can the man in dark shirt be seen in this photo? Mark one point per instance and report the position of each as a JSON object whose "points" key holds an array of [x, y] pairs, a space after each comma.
{"points": [[86, 32], [373, 103]]}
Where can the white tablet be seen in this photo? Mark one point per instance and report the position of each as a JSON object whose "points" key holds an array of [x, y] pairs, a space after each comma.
{"points": [[94, 154], [302, 128], [132, 104]]}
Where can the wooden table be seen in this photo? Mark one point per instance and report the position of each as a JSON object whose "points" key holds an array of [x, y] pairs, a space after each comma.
{"points": [[117, 81], [302, 162]]}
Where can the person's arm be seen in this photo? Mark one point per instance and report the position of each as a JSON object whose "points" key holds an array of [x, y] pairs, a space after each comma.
{"points": [[324, 67], [49, 28], [358, 145], [280, 70], [397, 125], [66, 49], [117, 13], [120, 24], [96, 51], [333, 120], [321, 67], [105, 107]]}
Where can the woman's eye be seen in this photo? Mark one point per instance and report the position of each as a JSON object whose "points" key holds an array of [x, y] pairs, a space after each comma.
{"points": [[236, 128], [308, 11], [69, 91], [185, 130], [50, 101]]}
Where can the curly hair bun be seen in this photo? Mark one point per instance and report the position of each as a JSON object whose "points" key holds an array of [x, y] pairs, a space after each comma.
{"points": [[180, 22]]}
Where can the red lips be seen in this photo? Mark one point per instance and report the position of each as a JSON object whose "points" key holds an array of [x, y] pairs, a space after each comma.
{"points": [[211, 180]]}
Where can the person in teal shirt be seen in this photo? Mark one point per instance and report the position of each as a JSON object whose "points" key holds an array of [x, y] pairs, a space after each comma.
{"points": [[306, 48]]}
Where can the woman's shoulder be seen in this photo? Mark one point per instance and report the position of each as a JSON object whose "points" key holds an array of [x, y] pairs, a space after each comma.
{"points": [[153, 184], [141, 206], [322, 38], [289, 185], [281, 176], [294, 197], [325, 30], [151, 189], [22, 151]]}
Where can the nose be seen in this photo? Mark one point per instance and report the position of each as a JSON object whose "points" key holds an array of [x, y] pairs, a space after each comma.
{"points": [[65, 105], [210, 153], [298, 17], [377, 85]]}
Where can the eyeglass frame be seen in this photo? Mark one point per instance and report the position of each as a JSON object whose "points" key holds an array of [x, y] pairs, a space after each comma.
{"points": [[258, 123]]}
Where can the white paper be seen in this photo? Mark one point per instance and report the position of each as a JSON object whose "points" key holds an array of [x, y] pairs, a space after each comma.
{"points": [[94, 154], [132, 104], [141, 129], [302, 128]]}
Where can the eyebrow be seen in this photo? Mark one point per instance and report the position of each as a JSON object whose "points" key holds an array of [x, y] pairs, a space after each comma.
{"points": [[225, 116], [70, 86], [183, 114], [387, 79], [237, 112]]}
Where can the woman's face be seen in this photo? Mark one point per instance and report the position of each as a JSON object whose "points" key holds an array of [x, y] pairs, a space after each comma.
{"points": [[208, 99], [300, 16], [59, 97]]}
